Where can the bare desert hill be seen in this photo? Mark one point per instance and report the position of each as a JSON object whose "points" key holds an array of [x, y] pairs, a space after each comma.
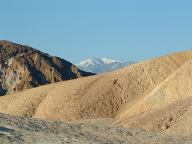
{"points": [[175, 87], [167, 108], [22, 67], [128, 96]]}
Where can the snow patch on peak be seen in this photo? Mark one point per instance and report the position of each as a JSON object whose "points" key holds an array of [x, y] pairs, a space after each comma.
{"points": [[86, 63], [101, 65], [108, 61], [99, 61]]}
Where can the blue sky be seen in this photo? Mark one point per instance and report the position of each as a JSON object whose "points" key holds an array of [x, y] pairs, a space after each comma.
{"points": [[79, 29]]}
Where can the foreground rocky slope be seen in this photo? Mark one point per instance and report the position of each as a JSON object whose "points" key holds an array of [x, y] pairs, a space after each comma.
{"points": [[22, 67], [23, 130]]}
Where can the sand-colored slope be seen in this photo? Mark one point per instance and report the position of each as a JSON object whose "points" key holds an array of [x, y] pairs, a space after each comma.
{"points": [[183, 125], [98, 96], [175, 87], [168, 108], [174, 118]]}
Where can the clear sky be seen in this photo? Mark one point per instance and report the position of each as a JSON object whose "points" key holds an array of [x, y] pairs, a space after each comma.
{"points": [[79, 29]]}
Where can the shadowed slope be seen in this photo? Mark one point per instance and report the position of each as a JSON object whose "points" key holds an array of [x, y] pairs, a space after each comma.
{"points": [[22, 67]]}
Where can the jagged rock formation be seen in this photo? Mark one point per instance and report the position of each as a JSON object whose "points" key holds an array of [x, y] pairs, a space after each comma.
{"points": [[22, 67]]}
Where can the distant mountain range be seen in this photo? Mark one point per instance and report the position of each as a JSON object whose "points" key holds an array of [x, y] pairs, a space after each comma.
{"points": [[102, 65]]}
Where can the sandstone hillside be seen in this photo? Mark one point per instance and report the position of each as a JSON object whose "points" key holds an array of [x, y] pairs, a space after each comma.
{"points": [[154, 95], [108, 95]]}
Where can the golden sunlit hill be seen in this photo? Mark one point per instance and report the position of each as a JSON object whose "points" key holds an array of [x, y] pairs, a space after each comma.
{"points": [[153, 96]]}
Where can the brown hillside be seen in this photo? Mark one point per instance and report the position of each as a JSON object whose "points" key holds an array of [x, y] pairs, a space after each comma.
{"points": [[22, 67]]}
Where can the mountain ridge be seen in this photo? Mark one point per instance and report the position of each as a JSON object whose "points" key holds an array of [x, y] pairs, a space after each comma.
{"points": [[102, 65]]}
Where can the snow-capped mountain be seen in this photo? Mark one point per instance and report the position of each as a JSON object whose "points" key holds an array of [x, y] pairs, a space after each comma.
{"points": [[101, 65]]}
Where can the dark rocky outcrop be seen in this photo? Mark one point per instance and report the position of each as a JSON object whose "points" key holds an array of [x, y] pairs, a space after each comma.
{"points": [[22, 67]]}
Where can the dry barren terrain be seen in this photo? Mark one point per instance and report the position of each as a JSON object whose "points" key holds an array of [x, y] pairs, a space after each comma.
{"points": [[154, 95]]}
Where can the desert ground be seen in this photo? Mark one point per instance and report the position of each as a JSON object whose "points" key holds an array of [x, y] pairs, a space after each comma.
{"points": [[22, 130]]}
